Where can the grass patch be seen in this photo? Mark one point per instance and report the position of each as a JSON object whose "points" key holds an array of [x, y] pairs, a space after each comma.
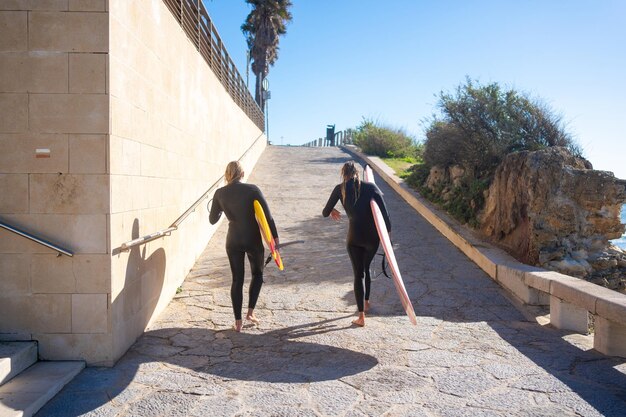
{"points": [[401, 165]]}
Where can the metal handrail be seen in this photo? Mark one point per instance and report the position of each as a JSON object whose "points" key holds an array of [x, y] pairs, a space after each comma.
{"points": [[197, 203], [147, 238], [60, 250], [174, 226], [196, 23]]}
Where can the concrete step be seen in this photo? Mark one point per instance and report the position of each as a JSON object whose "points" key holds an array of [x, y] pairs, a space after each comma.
{"points": [[15, 357], [25, 394]]}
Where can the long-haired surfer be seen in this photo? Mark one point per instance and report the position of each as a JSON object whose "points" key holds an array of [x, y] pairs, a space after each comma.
{"points": [[362, 240], [236, 200]]}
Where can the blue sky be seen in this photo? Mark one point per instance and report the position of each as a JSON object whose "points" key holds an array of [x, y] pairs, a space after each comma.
{"points": [[343, 60]]}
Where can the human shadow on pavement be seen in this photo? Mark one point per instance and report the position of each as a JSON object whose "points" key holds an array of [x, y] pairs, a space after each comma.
{"points": [[199, 359], [276, 357]]}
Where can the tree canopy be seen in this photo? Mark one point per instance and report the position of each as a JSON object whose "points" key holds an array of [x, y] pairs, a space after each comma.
{"points": [[266, 22]]}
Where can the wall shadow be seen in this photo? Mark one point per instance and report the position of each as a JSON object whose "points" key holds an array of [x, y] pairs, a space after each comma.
{"points": [[144, 281]]}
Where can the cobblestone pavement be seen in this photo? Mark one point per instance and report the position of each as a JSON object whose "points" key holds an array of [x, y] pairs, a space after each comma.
{"points": [[472, 354]]}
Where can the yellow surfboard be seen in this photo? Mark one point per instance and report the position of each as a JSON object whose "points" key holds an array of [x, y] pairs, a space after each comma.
{"points": [[266, 233]]}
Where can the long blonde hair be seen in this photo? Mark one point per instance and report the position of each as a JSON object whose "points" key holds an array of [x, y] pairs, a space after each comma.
{"points": [[350, 172], [234, 172]]}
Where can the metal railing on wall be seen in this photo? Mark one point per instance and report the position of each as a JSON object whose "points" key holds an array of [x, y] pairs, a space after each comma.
{"points": [[195, 21], [174, 226], [341, 138], [38, 240]]}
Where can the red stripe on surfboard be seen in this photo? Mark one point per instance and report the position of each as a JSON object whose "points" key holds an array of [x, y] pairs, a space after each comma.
{"points": [[266, 234]]}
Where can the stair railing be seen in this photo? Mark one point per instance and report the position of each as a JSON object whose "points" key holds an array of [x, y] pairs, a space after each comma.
{"points": [[174, 226], [38, 240]]}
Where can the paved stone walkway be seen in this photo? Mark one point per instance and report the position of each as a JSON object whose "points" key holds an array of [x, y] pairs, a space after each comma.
{"points": [[472, 354]]}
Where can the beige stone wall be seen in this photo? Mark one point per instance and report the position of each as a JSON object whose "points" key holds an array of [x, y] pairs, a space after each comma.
{"points": [[54, 95], [173, 129], [138, 128]]}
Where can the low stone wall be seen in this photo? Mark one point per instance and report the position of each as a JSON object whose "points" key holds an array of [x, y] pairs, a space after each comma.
{"points": [[571, 299]]}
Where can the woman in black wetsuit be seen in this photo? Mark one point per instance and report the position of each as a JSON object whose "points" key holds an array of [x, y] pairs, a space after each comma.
{"points": [[362, 241], [236, 200]]}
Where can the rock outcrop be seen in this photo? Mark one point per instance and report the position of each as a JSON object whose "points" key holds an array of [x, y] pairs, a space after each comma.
{"points": [[551, 209], [443, 181]]}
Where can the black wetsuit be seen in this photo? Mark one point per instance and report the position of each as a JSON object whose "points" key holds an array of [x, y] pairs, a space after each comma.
{"points": [[362, 241], [236, 200]]}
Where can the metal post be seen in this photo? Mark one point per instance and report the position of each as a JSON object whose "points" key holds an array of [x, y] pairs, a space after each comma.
{"points": [[247, 67], [265, 96], [267, 121]]}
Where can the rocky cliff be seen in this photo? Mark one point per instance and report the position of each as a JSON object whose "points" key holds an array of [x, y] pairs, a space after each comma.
{"points": [[551, 209]]}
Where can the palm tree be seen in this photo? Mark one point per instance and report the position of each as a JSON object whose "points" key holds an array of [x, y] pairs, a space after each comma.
{"points": [[265, 23]]}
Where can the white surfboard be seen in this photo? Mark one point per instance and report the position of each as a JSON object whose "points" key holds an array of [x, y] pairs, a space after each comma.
{"points": [[385, 241]]}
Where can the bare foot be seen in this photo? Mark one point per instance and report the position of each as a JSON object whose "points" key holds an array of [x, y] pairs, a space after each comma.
{"points": [[237, 326], [253, 319], [360, 321], [366, 306]]}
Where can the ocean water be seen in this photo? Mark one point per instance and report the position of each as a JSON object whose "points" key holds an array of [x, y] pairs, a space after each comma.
{"points": [[621, 242]]}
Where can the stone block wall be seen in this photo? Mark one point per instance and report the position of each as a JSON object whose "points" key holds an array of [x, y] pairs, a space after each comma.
{"points": [[173, 129], [138, 128], [54, 95]]}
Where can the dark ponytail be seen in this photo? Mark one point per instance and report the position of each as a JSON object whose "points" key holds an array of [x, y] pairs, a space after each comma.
{"points": [[350, 172]]}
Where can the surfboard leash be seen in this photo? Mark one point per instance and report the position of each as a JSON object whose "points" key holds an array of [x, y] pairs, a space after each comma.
{"points": [[280, 246], [384, 262], [383, 265]]}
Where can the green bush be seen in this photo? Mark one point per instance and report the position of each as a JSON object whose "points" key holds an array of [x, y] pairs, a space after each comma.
{"points": [[479, 125], [417, 176], [385, 142], [466, 201]]}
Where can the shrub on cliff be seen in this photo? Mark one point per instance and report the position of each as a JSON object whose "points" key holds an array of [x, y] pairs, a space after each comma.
{"points": [[463, 200], [480, 125], [384, 141]]}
